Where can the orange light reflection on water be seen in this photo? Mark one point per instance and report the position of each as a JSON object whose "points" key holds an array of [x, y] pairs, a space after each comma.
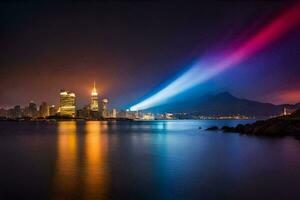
{"points": [[96, 173], [66, 173], [81, 167]]}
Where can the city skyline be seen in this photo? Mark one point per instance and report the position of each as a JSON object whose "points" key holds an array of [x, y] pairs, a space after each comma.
{"points": [[64, 91], [53, 48], [67, 109], [150, 100]]}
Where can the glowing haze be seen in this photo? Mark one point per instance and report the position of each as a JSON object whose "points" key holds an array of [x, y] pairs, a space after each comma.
{"points": [[210, 66]]}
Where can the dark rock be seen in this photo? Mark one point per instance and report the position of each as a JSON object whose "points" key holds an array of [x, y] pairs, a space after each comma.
{"points": [[213, 128], [240, 128], [227, 129], [279, 126]]}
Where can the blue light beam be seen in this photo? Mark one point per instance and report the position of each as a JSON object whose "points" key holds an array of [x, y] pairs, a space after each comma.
{"points": [[204, 70], [188, 80]]}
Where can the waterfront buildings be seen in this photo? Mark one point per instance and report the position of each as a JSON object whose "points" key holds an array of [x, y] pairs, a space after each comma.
{"points": [[11, 113], [67, 103], [94, 100], [146, 116], [52, 110], [114, 113], [165, 116], [131, 114], [288, 111], [17, 112], [104, 108], [32, 110], [44, 110], [85, 112], [67, 108], [3, 113], [121, 114], [26, 112]]}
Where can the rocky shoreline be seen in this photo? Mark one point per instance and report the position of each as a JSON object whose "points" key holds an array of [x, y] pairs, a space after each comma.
{"points": [[279, 126]]}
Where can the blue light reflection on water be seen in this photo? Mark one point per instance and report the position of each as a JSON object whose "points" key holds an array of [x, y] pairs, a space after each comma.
{"points": [[144, 160]]}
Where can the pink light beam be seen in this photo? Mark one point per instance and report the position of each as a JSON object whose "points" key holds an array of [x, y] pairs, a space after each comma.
{"points": [[209, 67]]}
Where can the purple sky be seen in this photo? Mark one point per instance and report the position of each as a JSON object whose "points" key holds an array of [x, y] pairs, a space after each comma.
{"points": [[130, 49]]}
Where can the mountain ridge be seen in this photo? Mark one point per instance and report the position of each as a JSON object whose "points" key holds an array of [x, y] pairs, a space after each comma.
{"points": [[225, 103]]}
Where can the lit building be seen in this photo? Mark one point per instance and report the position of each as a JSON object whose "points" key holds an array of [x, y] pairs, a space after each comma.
{"points": [[84, 112], [67, 103], [44, 110], [26, 112], [33, 112], [127, 114], [114, 113], [147, 116], [169, 116], [94, 100], [17, 112], [11, 113], [121, 114], [131, 114], [288, 111], [284, 111], [104, 108], [52, 110], [3, 112]]}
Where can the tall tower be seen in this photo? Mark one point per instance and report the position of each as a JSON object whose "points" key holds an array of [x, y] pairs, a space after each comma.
{"points": [[94, 99]]}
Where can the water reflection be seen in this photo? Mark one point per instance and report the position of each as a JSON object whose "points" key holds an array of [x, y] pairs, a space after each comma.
{"points": [[66, 173], [95, 172], [81, 170], [98, 160]]}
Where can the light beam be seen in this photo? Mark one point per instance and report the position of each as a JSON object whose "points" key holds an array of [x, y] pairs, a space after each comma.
{"points": [[209, 67]]}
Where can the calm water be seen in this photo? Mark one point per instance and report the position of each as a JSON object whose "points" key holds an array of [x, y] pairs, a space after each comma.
{"points": [[144, 160]]}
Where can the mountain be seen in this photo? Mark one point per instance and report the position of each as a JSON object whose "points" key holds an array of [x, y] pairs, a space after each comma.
{"points": [[225, 104]]}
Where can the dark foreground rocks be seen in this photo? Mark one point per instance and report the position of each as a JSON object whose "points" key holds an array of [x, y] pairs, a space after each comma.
{"points": [[279, 126], [213, 128]]}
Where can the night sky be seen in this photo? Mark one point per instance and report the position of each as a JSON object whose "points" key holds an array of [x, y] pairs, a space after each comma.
{"points": [[131, 49]]}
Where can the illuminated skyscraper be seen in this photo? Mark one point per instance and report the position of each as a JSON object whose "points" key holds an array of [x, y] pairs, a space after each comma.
{"points": [[131, 114], [33, 110], [52, 110], [94, 99], [67, 103], [17, 112], [104, 108], [114, 113], [26, 112], [44, 110]]}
